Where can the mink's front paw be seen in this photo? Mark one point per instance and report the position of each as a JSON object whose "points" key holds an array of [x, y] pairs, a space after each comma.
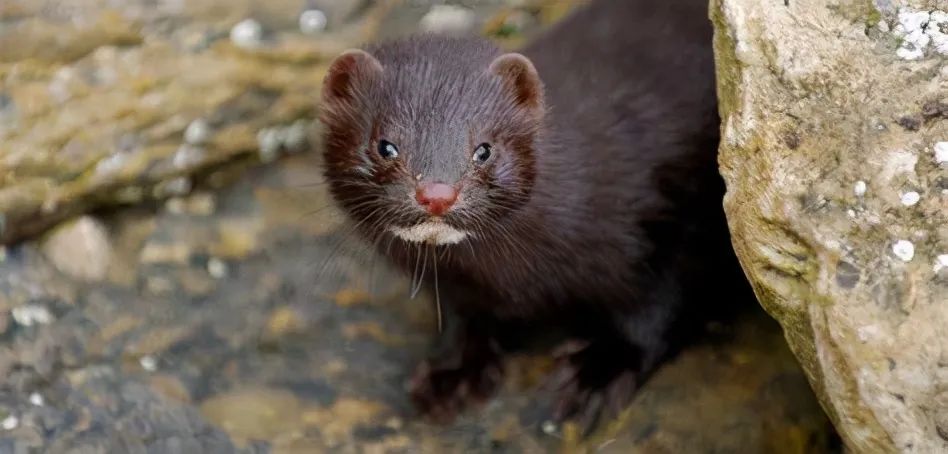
{"points": [[593, 380], [440, 391]]}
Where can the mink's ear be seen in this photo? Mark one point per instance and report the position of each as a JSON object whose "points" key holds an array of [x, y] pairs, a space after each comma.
{"points": [[519, 75], [346, 71]]}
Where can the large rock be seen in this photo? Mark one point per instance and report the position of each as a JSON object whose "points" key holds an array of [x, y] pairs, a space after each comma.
{"points": [[106, 102], [833, 112]]}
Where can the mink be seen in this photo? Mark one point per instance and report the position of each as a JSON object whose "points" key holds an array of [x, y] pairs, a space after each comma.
{"points": [[569, 190]]}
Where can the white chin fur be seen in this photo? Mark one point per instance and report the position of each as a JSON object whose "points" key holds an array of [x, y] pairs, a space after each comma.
{"points": [[430, 232]]}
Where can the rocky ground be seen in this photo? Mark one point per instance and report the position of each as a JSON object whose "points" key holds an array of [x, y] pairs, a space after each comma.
{"points": [[225, 307]]}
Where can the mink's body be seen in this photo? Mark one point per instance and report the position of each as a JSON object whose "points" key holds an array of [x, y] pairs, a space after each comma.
{"points": [[597, 212]]}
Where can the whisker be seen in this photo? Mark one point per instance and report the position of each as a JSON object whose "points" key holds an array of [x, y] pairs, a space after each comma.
{"points": [[421, 278], [434, 258], [414, 274]]}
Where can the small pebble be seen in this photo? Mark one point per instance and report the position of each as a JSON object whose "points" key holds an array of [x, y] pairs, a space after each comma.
{"points": [[269, 141], [32, 314], [312, 21], [904, 250], [148, 363], [394, 423], [941, 262], [217, 268], [548, 427], [294, 136], [202, 204], [860, 188], [910, 198], [248, 34], [197, 132], [941, 152], [10, 422], [175, 187], [447, 19], [37, 399], [175, 205], [851, 213], [112, 164]]}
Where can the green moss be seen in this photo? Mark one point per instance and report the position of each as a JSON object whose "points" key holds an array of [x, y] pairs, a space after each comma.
{"points": [[873, 18], [858, 11]]}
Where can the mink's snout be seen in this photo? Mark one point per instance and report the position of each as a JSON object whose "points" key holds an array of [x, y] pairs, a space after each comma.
{"points": [[436, 198]]}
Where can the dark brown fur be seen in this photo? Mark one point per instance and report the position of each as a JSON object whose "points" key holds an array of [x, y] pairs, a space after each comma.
{"points": [[599, 214]]}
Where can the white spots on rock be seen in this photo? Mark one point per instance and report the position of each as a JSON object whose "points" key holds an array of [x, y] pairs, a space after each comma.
{"points": [[851, 213], [197, 132], [938, 29], [904, 250], [37, 399], [941, 152], [868, 332], [111, 164], [175, 205], [448, 19], [59, 86], [32, 314], [271, 141], [860, 188], [80, 249], [919, 31], [910, 198], [247, 34], [941, 262], [153, 100], [202, 204], [174, 187], [149, 363], [188, 156], [312, 21], [898, 162], [10, 422], [217, 268], [268, 142]]}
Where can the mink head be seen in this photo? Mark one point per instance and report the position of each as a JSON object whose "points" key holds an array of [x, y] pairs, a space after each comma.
{"points": [[431, 138]]}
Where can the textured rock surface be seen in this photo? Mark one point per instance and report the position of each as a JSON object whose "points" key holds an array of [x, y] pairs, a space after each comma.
{"points": [[96, 97], [838, 204]]}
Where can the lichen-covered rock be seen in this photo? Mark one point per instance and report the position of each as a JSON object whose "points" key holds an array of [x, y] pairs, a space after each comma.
{"points": [[105, 103], [837, 200]]}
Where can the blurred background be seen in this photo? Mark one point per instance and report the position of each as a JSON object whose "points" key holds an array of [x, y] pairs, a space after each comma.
{"points": [[174, 278]]}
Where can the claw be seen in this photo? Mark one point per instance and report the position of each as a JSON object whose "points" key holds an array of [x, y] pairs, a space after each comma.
{"points": [[441, 393], [592, 383]]}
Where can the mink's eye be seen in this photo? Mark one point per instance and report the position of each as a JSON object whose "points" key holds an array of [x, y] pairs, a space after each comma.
{"points": [[481, 153], [387, 149]]}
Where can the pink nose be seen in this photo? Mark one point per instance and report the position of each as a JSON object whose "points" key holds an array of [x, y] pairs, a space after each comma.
{"points": [[437, 198]]}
